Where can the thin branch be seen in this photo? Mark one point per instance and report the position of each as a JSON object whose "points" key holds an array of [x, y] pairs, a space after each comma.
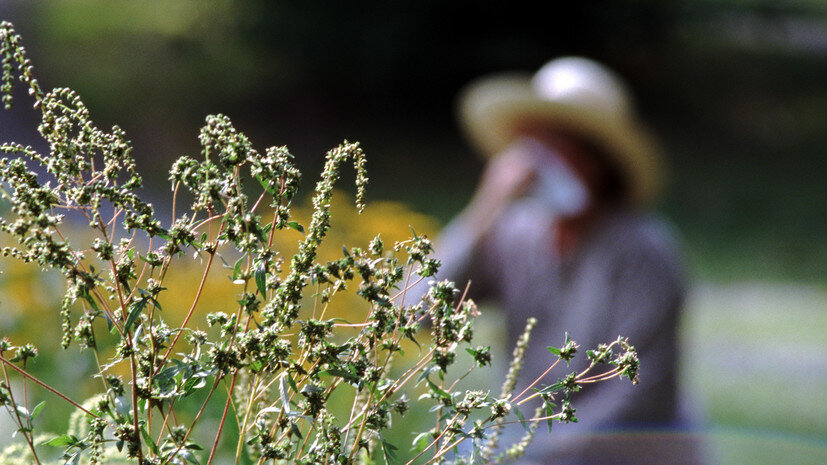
{"points": [[189, 313], [534, 383], [223, 418], [49, 388]]}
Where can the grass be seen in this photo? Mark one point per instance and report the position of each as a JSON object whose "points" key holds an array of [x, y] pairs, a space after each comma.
{"points": [[742, 446], [755, 356]]}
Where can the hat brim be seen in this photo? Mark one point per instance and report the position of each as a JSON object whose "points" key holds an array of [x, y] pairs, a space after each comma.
{"points": [[492, 111]]}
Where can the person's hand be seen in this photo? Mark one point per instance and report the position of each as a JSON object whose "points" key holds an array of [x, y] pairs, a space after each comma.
{"points": [[507, 177]]}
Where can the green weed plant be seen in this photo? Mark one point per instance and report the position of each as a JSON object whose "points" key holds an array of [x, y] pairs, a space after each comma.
{"points": [[272, 362]]}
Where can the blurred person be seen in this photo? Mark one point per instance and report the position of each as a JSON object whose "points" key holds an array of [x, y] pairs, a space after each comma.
{"points": [[558, 229]]}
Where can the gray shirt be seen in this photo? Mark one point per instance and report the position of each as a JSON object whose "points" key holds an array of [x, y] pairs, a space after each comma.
{"points": [[624, 279]]}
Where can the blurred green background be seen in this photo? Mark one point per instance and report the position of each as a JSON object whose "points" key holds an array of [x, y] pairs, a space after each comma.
{"points": [[737, 90]]}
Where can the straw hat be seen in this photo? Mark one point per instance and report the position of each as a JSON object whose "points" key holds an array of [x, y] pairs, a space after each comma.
{"points": [[572, 93]]}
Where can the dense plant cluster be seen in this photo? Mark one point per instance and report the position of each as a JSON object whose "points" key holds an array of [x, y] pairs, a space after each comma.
{"points": [[276, 361]]}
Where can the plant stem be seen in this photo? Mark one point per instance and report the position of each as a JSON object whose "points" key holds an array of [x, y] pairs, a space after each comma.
{"points": [[243, 430], [435, 441], [361, 428], [189, 313], [534, 383], [195, 421], [223, 418], [444, 451], [26, 435], [135, 407], [165, 423], [47, 387]]}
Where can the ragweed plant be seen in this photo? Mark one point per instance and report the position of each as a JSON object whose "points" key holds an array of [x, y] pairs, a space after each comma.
{"points": [[274, 361]]}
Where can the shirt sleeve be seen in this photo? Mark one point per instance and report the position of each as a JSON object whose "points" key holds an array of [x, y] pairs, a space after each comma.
{"points": [[646, 297], [648, 292]]}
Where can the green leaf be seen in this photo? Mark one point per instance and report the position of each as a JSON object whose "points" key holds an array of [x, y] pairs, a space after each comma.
{"points": [[149, 441], [292, 383], [549, 408], [74, 459], [188, 456], [63, 441], [22, 410], [520, 416], [91, 301], [436, 389], [425, 373], [193, 383], [285, 400], [421, 441], [267, 186], [237, 269], [412, 338], [295, 430], [136, 310], [168, 373], [554, 351], [556, 387], [21, 430], [341, 373], [389, 451], [121, 406], [295, 225], [261, 280], [36, 410]]}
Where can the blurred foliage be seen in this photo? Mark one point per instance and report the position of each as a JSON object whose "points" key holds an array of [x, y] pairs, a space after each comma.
{"points": [[131, 47], [734, 87]]}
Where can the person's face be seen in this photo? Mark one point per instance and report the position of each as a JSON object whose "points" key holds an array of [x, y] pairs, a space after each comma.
{"points": [[577, 156]]}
